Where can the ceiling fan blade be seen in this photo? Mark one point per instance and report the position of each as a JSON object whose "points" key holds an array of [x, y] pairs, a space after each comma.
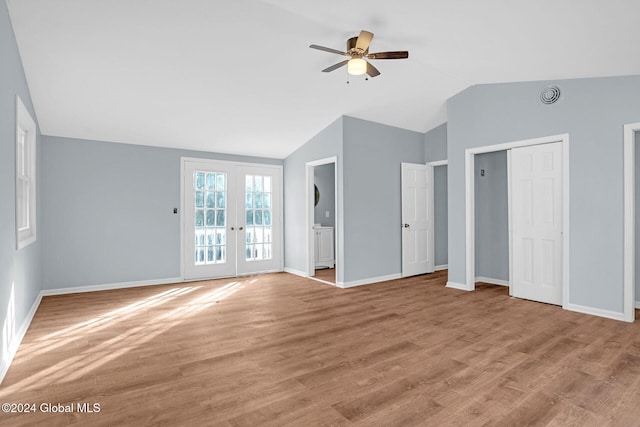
{"points": [[364, 39], [372, 71], [328, 49], [400, 54], [335, 66]]}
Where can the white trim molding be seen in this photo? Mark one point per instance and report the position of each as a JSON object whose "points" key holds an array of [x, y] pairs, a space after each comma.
{"points": [[595, 311], [470, 205], [438, 163], [629, 221], [491, 281], [295, 272], [326, 282], [110, 286], [458, 286], [441, 267], [368, 281]]}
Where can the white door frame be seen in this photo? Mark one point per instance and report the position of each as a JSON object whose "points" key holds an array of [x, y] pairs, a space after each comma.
{"points": [[183, 161], [629, 303], [310, 197], [431, 207], [470, 207]]}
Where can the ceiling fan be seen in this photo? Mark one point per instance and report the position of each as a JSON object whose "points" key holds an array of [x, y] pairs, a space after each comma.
{"points": [[358, 51]]}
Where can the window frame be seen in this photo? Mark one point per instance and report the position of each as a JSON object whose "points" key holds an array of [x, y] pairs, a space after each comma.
{"points": [[25, 176]]}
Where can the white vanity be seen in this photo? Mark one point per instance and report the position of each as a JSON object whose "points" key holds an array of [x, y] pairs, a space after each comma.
{"points": [[324, 254]]}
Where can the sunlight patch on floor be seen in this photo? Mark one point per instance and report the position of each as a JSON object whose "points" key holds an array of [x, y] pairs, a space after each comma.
{"points": [[9, 327], [84, 364], [65, 336]]}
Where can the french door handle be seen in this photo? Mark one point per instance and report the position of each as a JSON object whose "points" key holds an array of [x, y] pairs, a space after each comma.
{"points": [[233, 228], [405, 225], [241, 228]]}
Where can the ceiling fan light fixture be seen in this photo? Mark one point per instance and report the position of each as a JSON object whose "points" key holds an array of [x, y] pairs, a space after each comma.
{"points": [[357, 66]]}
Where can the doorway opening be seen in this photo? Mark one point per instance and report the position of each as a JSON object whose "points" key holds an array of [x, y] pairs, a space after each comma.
{"points": [[322, 220], [437, 171], [491, 218], [470, 209]]}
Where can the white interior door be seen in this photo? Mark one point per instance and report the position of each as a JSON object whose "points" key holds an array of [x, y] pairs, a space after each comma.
{"points": [[536, 220], [416, 220], [232, 219]]}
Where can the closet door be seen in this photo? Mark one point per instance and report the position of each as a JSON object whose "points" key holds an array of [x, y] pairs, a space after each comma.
{"points": [[536, 182]]}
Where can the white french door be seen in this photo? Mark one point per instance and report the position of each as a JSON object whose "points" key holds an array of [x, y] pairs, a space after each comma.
{"points": [[232, 218], [259, 219], [417, 221], [537, 222]]}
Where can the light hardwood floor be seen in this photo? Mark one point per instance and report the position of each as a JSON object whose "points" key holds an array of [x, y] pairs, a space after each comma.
{"points": [[278, 349]]}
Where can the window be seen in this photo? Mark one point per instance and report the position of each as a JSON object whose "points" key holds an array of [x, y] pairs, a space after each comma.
{"points": [[25, 176]]}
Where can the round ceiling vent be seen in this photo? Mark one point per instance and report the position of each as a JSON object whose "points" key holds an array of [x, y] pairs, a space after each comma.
{"points": [[550, 95]]}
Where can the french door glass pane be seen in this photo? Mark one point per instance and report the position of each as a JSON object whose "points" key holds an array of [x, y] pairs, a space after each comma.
{"points": [[258, 217], [210, 229]]}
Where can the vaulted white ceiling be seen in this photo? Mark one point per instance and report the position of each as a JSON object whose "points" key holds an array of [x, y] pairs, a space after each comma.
{"points": [[238, 76]]}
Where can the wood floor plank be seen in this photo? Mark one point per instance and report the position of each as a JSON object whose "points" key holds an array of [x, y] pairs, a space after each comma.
{"points": [[278, 350]]}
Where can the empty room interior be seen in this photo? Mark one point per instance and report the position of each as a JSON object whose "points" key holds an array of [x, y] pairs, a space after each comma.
{"points": [[270, 212]]}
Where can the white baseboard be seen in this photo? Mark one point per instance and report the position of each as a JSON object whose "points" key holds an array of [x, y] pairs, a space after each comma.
{"points": [[459, 286], [110, 286], [296, 272], [441, 267], [491, 281], [637, 304], [368, 281], [17, 340], [322, 281], [595, 311]]}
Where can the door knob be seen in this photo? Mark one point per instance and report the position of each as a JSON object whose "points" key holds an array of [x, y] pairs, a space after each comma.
{"points": [[240, 228], [233, 228], [405, 225]]}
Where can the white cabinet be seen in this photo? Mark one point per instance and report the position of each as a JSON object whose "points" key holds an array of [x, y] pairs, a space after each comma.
{"points": [[324, 246]]}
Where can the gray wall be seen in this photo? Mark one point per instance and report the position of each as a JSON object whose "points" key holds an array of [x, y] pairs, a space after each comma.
{"points": [[492, 216], [324, 179], [109, 211], [440, 218], [435, 144], [327, 143], [372, 196], [592, 112], [20, 271]]}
